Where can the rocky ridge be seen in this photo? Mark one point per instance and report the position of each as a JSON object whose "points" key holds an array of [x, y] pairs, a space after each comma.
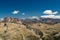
{"points": [[18, 29]]}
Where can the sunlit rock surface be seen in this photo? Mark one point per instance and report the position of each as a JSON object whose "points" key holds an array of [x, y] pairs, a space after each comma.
{"points": [[12, 30]]}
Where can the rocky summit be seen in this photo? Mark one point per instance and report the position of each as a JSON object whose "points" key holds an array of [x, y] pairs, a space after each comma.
{"points": [[29, 29]]}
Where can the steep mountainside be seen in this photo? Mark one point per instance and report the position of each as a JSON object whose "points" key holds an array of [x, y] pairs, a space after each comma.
{"points": [[12, 29]]}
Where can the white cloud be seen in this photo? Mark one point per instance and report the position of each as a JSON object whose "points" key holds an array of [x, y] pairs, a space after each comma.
{"points": [[55, 12], [50, 12], [34, 17], [15, 12], [23, 14], [1, 19], [51, 16]]}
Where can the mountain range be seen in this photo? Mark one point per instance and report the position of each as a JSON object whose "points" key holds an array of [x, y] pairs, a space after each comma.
{"points": [[31, 20]]}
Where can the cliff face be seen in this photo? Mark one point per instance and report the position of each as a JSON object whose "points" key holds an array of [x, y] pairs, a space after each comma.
{"points": [[13, 30]]}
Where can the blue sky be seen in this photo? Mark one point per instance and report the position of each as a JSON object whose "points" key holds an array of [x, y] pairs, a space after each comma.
{"points": [[28, 7]]}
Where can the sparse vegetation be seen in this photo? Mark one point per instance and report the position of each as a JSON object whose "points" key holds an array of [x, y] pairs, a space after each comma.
{"points": [[32, 31]]}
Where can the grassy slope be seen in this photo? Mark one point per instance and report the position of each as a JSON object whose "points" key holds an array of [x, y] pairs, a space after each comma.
{"points": [[15, 31]]}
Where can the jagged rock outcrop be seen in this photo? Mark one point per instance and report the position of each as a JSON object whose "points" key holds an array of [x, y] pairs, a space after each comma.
{"points": [[12, 20]]}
